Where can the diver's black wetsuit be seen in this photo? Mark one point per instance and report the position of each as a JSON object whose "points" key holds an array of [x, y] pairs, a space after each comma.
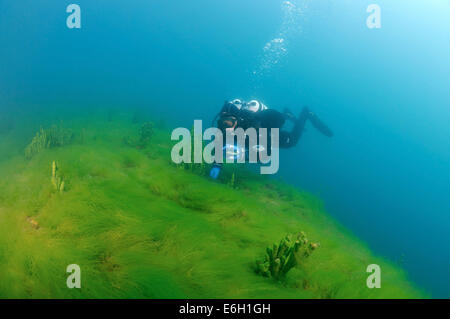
{"points": [[270, 118], [232, 117], [274, 119]]}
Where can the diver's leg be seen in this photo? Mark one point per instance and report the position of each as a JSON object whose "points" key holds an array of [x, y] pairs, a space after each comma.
{"points": [[288, 115], [285, 140], [319, 125], [290, 139]]}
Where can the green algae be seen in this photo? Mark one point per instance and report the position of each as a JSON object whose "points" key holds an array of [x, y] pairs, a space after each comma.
{"points": [[282, 257], [57, 181], [55, 136], [139, 227]]}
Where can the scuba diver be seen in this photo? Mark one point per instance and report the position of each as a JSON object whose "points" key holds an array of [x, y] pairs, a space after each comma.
{"points": [[239, 114]]}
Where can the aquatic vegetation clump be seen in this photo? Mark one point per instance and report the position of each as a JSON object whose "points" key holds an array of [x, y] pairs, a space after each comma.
{"points": [[145, 133], [148, 228], [57, 180], [200, 169], [54, 136], [282, 257]]}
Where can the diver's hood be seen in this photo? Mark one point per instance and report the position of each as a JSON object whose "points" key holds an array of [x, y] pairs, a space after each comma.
{"points": [[227, 121], [232, 107]]}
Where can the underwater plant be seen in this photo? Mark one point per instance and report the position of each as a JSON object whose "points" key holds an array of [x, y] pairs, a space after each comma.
{"points": [[145, 133], [233, 181], [54, 136], [282, 257], [124, 219], [57, 180]]}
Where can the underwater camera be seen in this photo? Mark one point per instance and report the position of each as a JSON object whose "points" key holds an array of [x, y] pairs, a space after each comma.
{"points": [[233, 152]]}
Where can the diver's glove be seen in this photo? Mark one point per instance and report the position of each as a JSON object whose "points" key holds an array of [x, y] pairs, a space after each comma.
{"points": [[215, 171]]}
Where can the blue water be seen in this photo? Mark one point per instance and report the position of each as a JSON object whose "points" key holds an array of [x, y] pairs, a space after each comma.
{"points": [[385, 92]]}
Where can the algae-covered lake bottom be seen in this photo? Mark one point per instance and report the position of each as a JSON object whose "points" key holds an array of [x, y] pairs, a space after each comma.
{"points": [[140, 226]]}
